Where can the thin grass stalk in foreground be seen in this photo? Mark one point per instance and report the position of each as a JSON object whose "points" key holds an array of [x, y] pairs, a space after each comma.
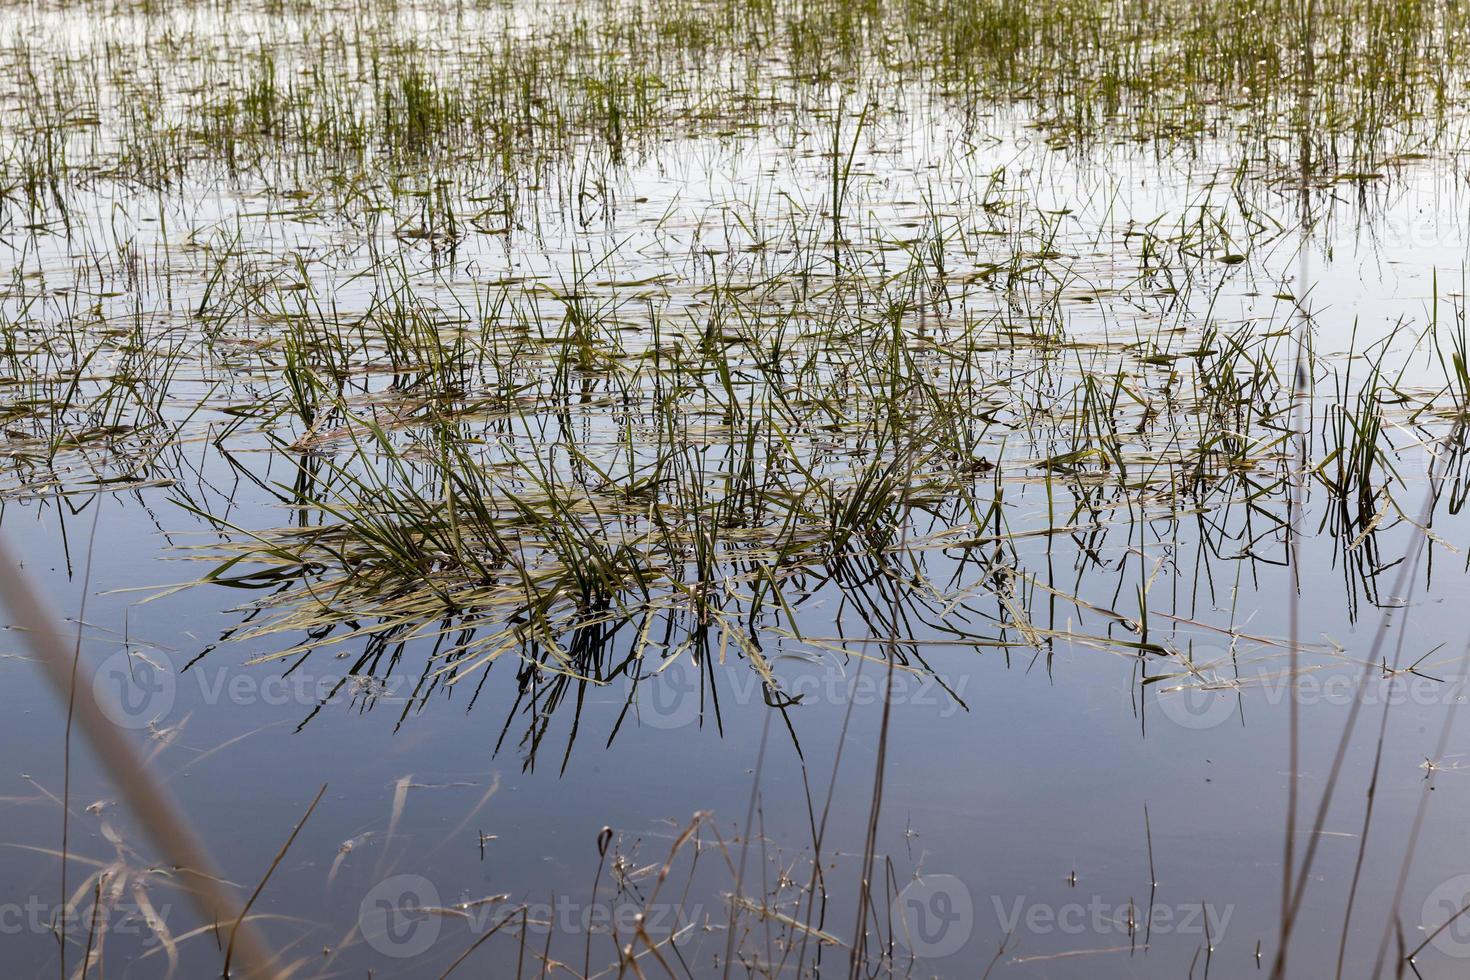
{"points": [[1300, 383], [71, 703], [280, 856], [890, 649], [156, 811], [760, 764]]}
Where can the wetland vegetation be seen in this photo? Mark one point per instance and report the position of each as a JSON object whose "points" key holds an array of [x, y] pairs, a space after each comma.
{"points": [[706, 488]]}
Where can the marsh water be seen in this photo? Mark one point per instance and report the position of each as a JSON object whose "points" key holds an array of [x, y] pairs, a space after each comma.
{"points": [[870, 489]]}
